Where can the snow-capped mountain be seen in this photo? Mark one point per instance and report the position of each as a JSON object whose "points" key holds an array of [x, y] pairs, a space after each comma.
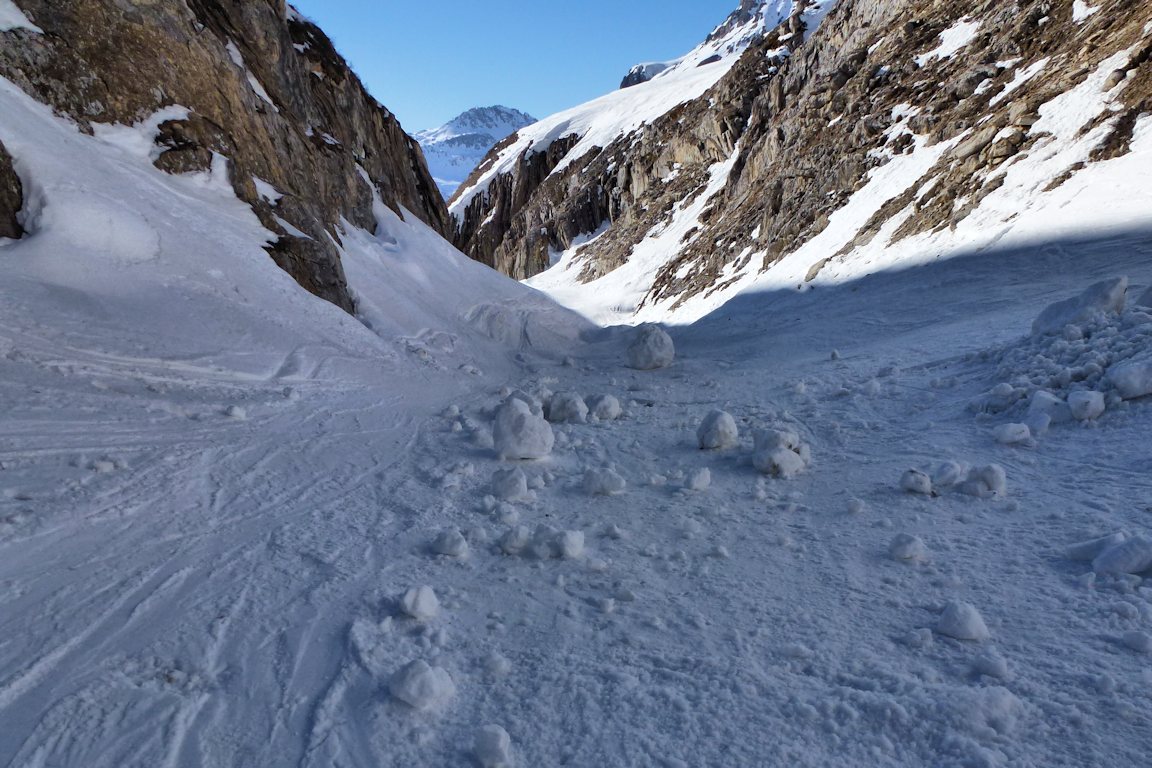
{"points": [[454, 149], [820, 147]]}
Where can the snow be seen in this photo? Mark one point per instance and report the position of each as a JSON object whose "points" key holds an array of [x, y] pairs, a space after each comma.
{"points": [[951, 41], [493, 747], [1086, 406], [420, 603], [454, 149], [916, 481], [1132, 378], [604, 407], [1081, 11], [651, 348], [603, 482], [718, 430], [567, 407], [1013, 434], [907, 548], [520, 434], [1104, 297], [962, 621], [1132, 555], [421, 686], [11, 17]]}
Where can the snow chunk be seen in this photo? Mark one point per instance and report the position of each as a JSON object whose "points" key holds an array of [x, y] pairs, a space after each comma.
{"points": [[451, 543], [780, 452], [991, 664], [718, 430], [986, 482], [603, 482], [510, 484], [604, 408], [1086, 406], [515, 540], [520, 434], [1050, 405], [907, 548], [1141, 642], [420, 603], [915, 481], [1145, 299], [1013, 434], [493, 747], [421, 686], [1081, 11], [963, 622], [1087, 551], [1132, 378], [1132, 555], [700, 480], [570, 544], [12, 18], [567, 407], [651, 349], [1104, 297], [948, 474]]}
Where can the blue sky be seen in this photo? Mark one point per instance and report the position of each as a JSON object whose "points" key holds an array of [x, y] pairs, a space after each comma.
{"points": [[429, 61]]}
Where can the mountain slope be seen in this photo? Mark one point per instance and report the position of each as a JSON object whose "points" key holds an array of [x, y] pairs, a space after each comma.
{"points": [[892, 124], [458, 146], [254, 83]]}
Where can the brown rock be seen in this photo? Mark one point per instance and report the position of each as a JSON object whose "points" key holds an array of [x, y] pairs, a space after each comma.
{"points": [[11, 197]]}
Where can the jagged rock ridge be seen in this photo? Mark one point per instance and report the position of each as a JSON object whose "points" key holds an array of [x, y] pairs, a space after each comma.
{"points": [[264, 88], [805, 120]]}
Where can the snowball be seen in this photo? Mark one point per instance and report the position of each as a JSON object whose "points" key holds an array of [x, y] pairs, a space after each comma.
{"points": [[510, 484], [1141, 642], [1086, 406], [604, 407], [515, 540], [770, 439], [652, 348], [1132, 378], [1012, 434], [1038, 423], [603, 482], [1087, 551], [948, 474], [520, 434], [570, 544], [915, 481], [422, 687], [985, 482], [236, 412], [420, 603], [567, 407], [963, 622], [1132, 555], [493, 747], [534, 403], [451, 543], [991, 664], [907, 548], [1050, 405], [779, 462], [718, 430], [700, 480], [1100, 298]]}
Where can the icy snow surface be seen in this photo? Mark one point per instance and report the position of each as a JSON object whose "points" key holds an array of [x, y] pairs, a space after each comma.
{"points": [[11, 17], [221, 500]]}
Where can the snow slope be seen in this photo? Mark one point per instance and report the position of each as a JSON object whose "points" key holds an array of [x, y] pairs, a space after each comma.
{"points": [[240, 528], [454, 149]]}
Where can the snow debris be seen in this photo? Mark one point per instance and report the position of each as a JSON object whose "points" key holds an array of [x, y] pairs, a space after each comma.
{"points": [[699, 480], [1081, 11], [1013, 434], [962, 621], [991, 664], [420, 603], [718, 430], [236, 412], [511, 485], [1145, 299], [1138, 641], [856, 506], [603, 482], [1047, 404], [421, 686], [567, 407], [985, 482], [916, 481], [1132, 555], [515, 540], [570, 544], [518, 433], [948, 474], [1086, 406], [534, 403], [604, 408], [1133, 378], [492, 747], [1101, 298], [952, 40], [907, 548], [12, 18], [450, 543], [651, 349], [780, 453], [1087, 551]]}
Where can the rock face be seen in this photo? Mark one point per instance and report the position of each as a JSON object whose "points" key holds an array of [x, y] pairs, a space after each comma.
{"points": [[11, 197], [264, 88], [458, 146], [795, 128]]}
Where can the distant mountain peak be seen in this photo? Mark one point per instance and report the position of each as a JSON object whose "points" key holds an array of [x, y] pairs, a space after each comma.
{"points": [[458, 146]]}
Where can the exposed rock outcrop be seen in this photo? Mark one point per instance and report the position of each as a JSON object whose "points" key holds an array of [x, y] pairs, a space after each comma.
{"points": [[11, 197], [264, 88], [797, 125]]}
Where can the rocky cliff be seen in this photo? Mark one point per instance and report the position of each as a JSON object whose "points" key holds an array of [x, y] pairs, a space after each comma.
{"points": [[912, 111], [260, 86]]}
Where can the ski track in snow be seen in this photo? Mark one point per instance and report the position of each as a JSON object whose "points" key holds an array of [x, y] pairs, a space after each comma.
{"points": [[226, 595]]}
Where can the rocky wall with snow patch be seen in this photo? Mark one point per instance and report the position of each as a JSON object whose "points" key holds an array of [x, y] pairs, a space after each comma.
{"points": [[262, 86]]}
